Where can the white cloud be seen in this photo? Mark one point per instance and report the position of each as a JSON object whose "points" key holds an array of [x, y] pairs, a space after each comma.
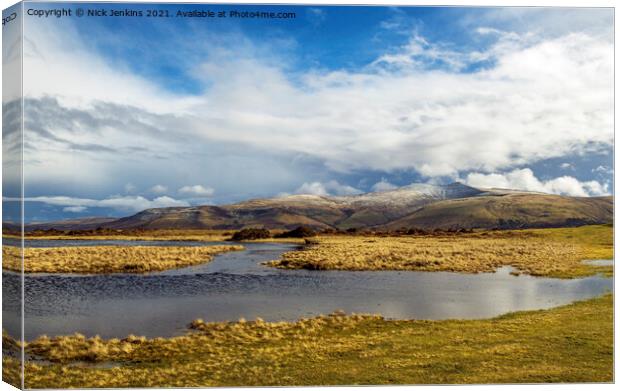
{"points": [[47, 59], [197, 191], [159, 189], [342, 190], [551, 21], [524, 179], [557, 92], [74, 209], [121, 203], [603, 170], [566, 166], [383, 185], [328, 188], [314, 188], [398, 114], [418, 53]]}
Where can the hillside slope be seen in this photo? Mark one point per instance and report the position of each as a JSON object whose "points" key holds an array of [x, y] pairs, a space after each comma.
{"points": [[507, 211]]}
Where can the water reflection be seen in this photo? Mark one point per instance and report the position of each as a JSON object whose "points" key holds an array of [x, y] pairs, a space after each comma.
{"points": [[235, 285]]}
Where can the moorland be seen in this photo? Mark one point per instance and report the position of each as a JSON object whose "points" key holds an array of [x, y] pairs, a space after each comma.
{"points": [[552, 252]]}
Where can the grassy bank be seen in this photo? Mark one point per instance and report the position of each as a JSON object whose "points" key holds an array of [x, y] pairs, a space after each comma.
{"points": [[572, 343], [540, 252], [108, 259]]}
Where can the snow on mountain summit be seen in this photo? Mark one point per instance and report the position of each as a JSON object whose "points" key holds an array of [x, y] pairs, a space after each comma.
{"points": [[413, 193], [406, 196]]}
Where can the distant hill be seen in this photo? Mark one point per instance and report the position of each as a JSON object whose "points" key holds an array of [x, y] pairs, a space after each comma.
{"points": [[415, 206]]}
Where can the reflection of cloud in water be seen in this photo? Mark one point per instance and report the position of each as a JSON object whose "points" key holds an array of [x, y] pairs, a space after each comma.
{"points": [[452, 295], [599, 262]]}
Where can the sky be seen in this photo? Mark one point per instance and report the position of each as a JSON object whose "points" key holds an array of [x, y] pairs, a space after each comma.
{"points": [[124, 114]]}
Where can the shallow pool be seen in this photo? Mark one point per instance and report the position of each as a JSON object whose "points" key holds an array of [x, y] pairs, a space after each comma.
{"points": [[236, 285]]}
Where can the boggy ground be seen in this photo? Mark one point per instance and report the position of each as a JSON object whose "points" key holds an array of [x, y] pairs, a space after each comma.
{"points": [[543, 252], [573, 343], [130, 234], [540, 252], [198, 235], [109, 259]]}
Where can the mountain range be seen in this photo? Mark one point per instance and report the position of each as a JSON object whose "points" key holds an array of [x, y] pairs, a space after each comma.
{"points": [[422, 206]]}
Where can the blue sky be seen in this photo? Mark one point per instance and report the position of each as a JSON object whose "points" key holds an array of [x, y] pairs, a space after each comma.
{"points": [[128, 113], [320, 37]]}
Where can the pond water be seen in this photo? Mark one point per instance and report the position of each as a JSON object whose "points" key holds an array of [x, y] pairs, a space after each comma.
{"points": [[599, 262], [236, 285]]}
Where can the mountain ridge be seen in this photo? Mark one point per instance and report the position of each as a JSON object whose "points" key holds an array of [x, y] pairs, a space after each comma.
{"points": [[424, 206]]}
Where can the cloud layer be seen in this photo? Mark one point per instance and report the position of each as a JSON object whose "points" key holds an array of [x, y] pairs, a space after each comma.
{"points": [[122, 203], [432, 108], [403, 112], [524, 179], [197, 191], [557, 92], [326, 189]]}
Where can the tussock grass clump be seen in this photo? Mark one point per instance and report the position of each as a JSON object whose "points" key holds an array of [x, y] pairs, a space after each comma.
{"points": [[572, 343], [109, 259], [77, 347], [11, 371], [10, 344], [259, 328], [542, 252], [11, 353]]}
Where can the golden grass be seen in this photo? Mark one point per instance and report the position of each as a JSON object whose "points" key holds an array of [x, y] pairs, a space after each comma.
{"points": [[11, 258], [199, 235], [11, 368], [276, 240], [158, 234], [11, 371], [109, 259], [541, 252], [573, 343]]}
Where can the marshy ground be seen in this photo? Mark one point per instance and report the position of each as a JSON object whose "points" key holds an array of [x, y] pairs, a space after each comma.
{"points": [[573, 343], [109, 259], [179, 235], [133, 234], [540, 252], [553, 252]]}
